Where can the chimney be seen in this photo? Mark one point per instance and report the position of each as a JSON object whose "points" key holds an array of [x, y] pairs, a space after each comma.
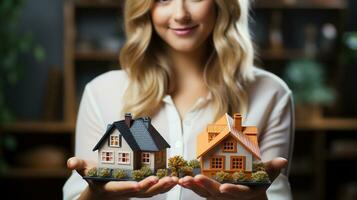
{"points": [[147, 121], [128, 119], [238, 122]]}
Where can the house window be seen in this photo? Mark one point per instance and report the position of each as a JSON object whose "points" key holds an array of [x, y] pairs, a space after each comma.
{"points": [[145, 158], [211, 136], [107, 157], [217, 162], [114, 141], [237, 162], [123, 158], [230, 146]]}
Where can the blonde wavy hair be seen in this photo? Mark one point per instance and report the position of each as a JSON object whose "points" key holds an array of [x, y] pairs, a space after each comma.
{"points": [[227, 69]]}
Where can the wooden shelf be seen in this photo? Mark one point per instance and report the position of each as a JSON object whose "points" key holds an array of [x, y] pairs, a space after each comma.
{"points": [[301, 5], [38, 127], [99, 4], [285, 54], [36, 173], [97, 55], [328, 124], [342, 157]]}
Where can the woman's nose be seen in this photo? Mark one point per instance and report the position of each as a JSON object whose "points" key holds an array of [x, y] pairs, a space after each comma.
{"points": [[181, 15]]}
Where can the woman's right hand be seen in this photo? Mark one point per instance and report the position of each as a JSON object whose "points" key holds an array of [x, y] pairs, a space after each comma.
{"points": [[148, 187]]}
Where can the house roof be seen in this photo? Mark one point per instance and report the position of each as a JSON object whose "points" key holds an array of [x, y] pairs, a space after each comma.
{"points": [[224, 127], [141, 136]]}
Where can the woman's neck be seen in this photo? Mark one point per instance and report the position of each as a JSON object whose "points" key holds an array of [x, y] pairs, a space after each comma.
{"points": [[187, 65]]}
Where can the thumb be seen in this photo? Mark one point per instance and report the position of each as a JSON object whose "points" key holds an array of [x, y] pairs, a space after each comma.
{"points": [[77, 164], [273, 167]]}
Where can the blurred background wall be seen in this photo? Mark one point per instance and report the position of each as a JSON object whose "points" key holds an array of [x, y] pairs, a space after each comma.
{"points": [[81, 39]]}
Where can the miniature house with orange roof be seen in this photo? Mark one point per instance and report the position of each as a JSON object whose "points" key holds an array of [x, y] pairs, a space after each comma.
{"points": [[228, 146]]}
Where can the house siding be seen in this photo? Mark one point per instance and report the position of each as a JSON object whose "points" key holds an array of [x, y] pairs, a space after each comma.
{"points": [[218, 150], [124, 148]]}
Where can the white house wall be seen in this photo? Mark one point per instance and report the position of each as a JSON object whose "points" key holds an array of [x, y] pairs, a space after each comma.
{"points": [[241, 151], [125, 148]]}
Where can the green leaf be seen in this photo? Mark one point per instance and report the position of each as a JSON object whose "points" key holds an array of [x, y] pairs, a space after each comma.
{"points": [[3, 166], [39, 53], [6, 116], [10, 143]]}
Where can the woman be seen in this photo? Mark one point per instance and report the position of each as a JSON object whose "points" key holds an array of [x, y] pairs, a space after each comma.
{"points": [[185, 63]]}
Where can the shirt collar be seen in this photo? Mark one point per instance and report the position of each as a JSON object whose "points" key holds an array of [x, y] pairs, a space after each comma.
{"points": [[200, 101]]}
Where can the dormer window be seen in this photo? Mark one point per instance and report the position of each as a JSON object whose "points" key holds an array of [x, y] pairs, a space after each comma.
{"points": [[115, 141], [211, 136]]}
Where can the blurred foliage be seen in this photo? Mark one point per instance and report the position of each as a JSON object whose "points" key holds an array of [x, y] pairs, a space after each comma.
{"points": [[350, 47], [14, 45], [306, 79]]}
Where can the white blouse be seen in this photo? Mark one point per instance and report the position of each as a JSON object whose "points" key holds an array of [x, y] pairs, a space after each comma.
{"points": [[270, 109]]}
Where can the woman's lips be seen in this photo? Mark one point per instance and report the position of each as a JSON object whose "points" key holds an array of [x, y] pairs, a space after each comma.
{"points": [[184, 31]]}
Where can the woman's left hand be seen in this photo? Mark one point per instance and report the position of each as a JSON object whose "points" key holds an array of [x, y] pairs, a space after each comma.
{"points": [[211, 189]]}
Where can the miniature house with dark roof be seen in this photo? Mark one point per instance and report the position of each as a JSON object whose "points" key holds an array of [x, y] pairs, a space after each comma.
{"points": [[130, 144], [228, 146]]}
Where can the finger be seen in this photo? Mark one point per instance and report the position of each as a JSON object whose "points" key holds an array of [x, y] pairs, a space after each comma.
{"points": [[273, 167], [189, 183], [209, 184], [232, 189], [143, 186], [163, 185], [121, 187], [148, 182]]}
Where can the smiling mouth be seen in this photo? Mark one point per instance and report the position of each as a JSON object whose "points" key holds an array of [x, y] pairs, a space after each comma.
{"points": [[185, 28], [184, 31]]}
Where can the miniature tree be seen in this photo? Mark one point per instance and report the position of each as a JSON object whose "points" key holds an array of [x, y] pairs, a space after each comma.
{"points": [[175, 163], [258, 166], [194, 163], [137, 174], [146, 170], [260, 176], [186, 171], [92, 172], [161, 173], [222, 176], [104, 172], [119, 173], [239, 176]]}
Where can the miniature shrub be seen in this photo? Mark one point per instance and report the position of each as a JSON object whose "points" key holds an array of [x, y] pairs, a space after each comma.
{"points": [[239, 176], [146, 170], [186, 171], [175, 163], [119, 173], [104, 172], [194, 163], [174, 173], [222, 176], [260, 176], [161, 173], [258, 166], [92, 172], [137, 174]]}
